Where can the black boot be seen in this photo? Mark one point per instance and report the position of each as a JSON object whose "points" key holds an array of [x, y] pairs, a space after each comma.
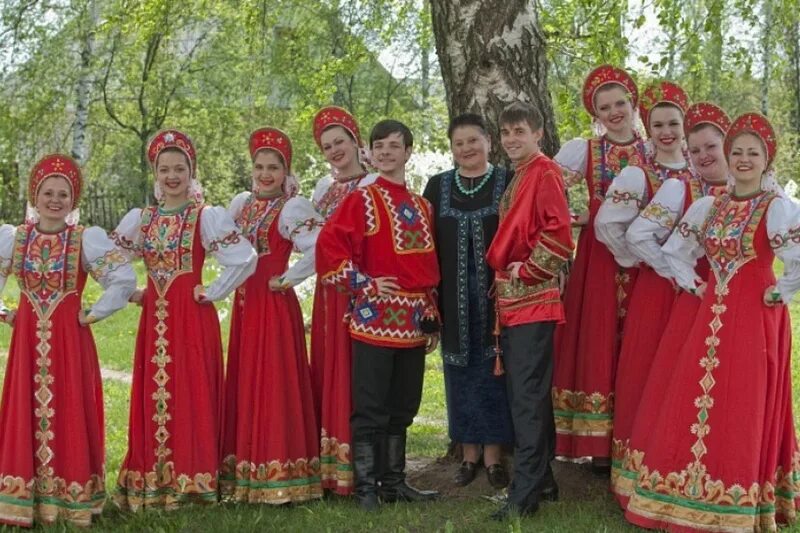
{"points": [[365, 469], [393, 481]]}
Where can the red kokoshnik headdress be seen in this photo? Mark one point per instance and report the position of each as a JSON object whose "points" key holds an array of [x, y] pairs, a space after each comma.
{"points": [[56, 165], [275, 140], [602, 76], [172, 139], [664, 92], [759, 126], [335, 116], [706, 113]]}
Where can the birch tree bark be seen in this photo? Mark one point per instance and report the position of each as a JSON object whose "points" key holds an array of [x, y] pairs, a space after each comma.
{"points": [[492, 54], [84, 86]]}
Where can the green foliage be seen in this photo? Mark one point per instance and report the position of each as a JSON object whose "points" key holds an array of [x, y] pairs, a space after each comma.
{"points": [[218, 70]]}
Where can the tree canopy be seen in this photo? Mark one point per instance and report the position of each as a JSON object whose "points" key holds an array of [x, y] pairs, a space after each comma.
{"points": [[97, 79]]}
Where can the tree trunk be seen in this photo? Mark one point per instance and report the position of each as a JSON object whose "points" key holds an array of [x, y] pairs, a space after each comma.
{"points": [[766, 56], [715, 48], [793, 50], [84, 87], [492, 54]]}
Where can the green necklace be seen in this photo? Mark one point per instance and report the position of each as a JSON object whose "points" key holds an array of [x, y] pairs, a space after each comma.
{"points": [[474, 190]]}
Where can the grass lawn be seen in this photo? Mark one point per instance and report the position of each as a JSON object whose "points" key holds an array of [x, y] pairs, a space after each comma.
{"points": [[586, 507]]}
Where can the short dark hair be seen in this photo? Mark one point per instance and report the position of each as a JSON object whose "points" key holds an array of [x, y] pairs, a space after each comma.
{"points": [[522, 112], [467, 119], [384, 128]]}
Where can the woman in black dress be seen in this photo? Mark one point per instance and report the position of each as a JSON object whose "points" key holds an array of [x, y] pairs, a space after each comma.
{"points": [[465, 201]]}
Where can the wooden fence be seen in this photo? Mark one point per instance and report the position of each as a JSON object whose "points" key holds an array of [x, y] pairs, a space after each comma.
{"points": [[99, 207]]}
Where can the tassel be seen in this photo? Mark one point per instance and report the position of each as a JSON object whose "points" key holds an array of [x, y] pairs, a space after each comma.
{"points": [[499, 370]]}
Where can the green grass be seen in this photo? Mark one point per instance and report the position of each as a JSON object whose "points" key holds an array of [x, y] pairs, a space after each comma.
{"points": [[428, 438]]}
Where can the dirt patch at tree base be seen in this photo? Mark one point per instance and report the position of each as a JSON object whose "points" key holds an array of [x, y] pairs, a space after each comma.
{"points": [[576, 482]]}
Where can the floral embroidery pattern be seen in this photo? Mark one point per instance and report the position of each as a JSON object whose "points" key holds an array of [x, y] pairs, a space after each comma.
{"points": [[272, 482], [106, 264], [582, 413], [335, 463], [231, 238], [47, 265], [167, 241], [626, 197], [782, 240], [659, 215], [729, 232], [607, 164], [162, 488], [256, 219], [337, 192], [307, 225]]}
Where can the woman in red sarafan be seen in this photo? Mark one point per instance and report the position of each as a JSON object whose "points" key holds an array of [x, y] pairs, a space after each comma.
{"points": [[662, 109], [271, 443], [52, 457], [705, 126], [722, 452], [176, 400], [338, 136], [586, 346]]}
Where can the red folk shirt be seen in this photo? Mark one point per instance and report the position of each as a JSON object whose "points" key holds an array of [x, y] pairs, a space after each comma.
{"points": [[379, 230], [535, 230]]}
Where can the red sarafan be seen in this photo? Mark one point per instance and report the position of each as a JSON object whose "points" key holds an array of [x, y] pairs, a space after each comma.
{"points": [[176, 396], [597, 293], [52, 456]]}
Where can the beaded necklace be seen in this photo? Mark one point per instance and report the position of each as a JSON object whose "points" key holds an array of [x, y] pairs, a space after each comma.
{"points": [[474, 190]]}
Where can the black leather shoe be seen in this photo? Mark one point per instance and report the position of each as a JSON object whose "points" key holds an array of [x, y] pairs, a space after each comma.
{"points": [[497, 475], [549, 494], [510, 510], [466, 473], [601, 466]]}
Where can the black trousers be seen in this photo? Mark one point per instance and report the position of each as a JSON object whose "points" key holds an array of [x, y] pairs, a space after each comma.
{"points": [[386, 388], [528, 360]]}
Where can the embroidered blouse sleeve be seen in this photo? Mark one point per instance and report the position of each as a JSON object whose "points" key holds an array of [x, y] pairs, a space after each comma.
{"points": [[652, 227], [300, 223], [620, 207], [232, 251], [320, 189], [684, 247], [783, 229], [340, 245], [126, 237], [572, 159], [111, 269], [237, 204], [7, 236]]}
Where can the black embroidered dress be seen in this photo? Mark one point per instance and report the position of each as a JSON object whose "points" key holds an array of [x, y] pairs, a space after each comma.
{"points": [[477, 407]]}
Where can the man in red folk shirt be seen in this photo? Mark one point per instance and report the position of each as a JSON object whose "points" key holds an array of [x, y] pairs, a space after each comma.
{"points": [[532, 243], [379, 246]]}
